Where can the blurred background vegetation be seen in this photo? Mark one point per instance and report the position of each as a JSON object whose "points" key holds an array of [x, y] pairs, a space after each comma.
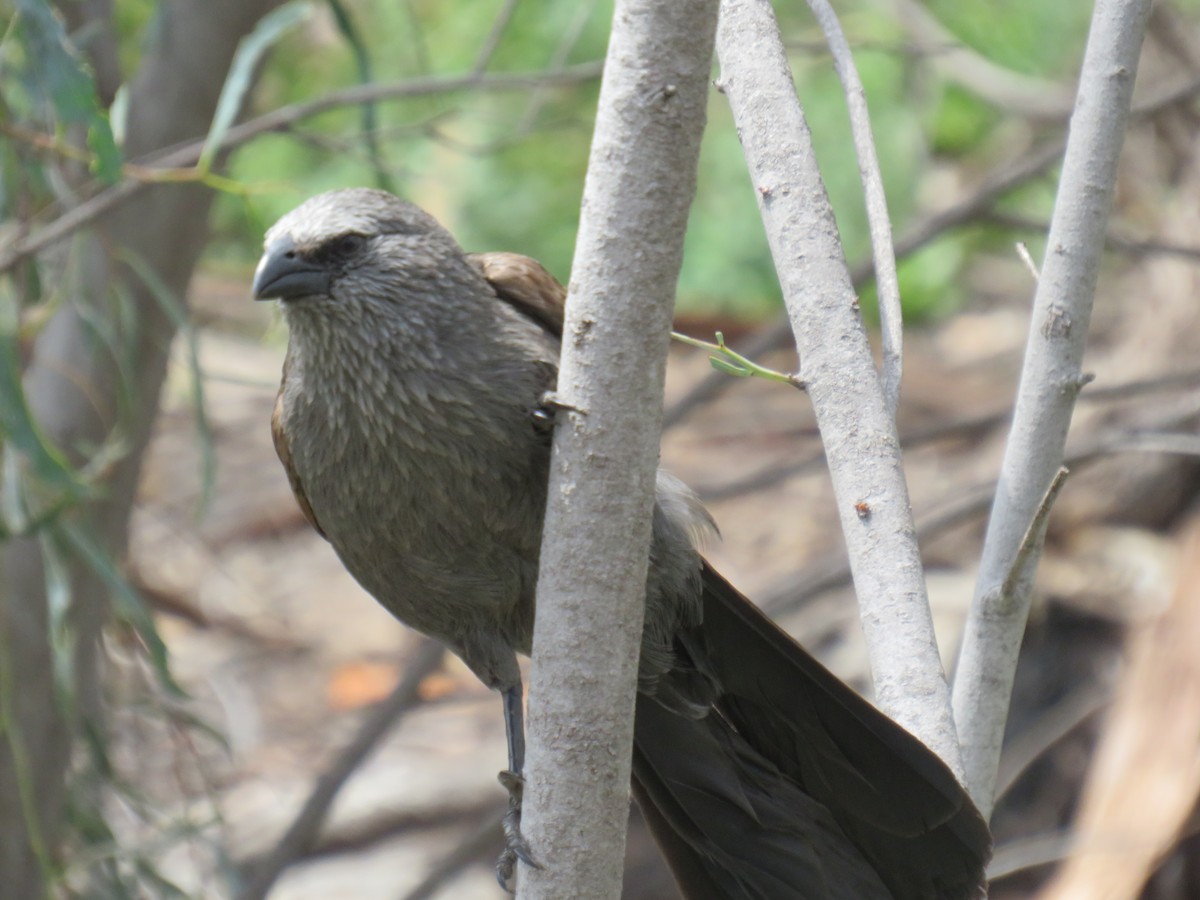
{"points": [[505, 170], [124, 246]]}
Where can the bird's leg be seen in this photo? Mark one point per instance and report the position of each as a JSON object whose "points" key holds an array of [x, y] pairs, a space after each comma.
{"points": [[513, 779]]}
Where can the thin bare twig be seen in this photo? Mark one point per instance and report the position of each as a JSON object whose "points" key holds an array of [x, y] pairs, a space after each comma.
{"points": [[570, 37], [957, 429], [887, 282], [495, 34], [725, 359], [518, 132], [794, 590], [1027, 260], [1031, 542]]}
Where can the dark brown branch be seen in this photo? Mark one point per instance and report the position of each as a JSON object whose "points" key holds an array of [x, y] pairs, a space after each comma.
{"points": [[794, 590], [958, 429], [302, 833]]}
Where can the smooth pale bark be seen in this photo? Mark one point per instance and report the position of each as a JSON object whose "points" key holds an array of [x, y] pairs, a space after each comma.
{"points": [[1050, 381], [883, 253], [861, 444], [640, 183]]}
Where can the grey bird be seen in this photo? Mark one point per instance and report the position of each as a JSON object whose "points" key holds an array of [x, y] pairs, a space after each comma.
{"points": [[412, 424]]}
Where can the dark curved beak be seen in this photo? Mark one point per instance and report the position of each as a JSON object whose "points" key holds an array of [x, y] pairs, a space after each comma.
{"points": [[284, 274]]}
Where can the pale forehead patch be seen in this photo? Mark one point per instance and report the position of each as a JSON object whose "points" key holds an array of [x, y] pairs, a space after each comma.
{"points": [[360, 210]]}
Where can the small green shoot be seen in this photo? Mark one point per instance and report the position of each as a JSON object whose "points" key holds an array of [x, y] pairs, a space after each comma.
{"points": [[733, 363]]}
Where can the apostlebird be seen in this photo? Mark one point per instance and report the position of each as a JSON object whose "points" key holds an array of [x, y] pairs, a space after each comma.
{"points": [[412, 422]]}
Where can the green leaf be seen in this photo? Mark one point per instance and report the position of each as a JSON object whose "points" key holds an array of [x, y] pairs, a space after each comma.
{"points": [[129, 604], [241, 72], [362, 61], [106, 158], [22, 767], [64, 78], [175, 311], [17, 425], [724, 365]]}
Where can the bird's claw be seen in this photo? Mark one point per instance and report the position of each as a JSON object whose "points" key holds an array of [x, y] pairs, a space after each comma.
{"points": [[515, 845], [545, 414]]}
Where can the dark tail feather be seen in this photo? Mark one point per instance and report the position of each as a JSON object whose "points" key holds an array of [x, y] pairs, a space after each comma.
{"points": [[730, 825], [796, 787]]}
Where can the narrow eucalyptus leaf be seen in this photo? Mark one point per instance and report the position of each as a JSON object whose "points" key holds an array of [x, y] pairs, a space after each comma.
{"points": [[129, 604], [178, 315], [241, 71], [724, 365], [65, 80]]}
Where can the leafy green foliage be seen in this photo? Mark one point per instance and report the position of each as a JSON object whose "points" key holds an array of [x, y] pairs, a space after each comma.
{"points": [[1024, 35], [57, 79], [21, 432], [241, 71], [959, 122], [505, 170]]}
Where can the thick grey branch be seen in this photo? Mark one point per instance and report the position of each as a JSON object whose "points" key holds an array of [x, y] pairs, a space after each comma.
{"points": [[592, 582]]}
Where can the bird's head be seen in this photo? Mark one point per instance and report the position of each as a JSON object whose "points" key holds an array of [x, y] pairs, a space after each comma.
{"points": [[352, 246]]}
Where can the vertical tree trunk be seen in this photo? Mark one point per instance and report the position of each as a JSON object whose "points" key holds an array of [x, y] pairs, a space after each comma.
{"points": [[592, 579], [76, 391]]}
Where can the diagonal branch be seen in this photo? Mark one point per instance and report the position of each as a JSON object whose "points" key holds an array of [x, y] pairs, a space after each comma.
{"points": [[860, 438], [1050, 382], [303, 831]]}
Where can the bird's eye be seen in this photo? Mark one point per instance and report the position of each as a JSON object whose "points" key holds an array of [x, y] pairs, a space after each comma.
{"points": [[348, 245]]}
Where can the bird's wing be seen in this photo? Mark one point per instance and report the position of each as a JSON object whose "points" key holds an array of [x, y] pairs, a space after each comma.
{"points": [[525, 284], [279, 435]]}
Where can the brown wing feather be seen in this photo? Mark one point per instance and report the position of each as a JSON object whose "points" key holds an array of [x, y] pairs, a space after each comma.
{"points": [[525, 284], [279, 435]]}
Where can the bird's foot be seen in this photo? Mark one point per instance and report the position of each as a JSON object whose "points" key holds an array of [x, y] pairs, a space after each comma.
{"points": [[515, 845]]}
